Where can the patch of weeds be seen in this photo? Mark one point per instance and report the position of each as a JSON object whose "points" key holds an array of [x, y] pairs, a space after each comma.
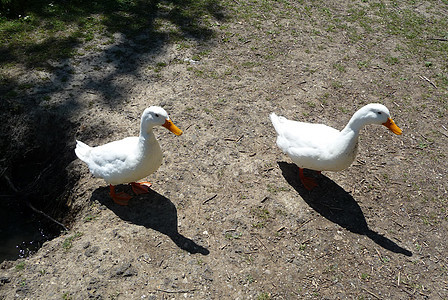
{"points": [[66, 296], [391, 60], [249, 64], [20, 266], [343, 109], [89, 218], [275, 189], [311, 104], [159, 66], [340, 67], [309, 70], [442, 80], [331, 269], [280, 212], [200, 55], [197, 72], [365, 276], [363, 64], [259, 225], [337, 84], [263, 215], [422, 145], [68, 242], [264, 296], [232, 235], [250, 279], [207, 110]]}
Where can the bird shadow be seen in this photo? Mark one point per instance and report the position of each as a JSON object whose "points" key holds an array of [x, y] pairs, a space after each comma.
{"points": [[335, 204], [153, 211]]}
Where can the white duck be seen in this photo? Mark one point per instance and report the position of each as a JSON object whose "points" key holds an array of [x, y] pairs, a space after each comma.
{"points": [[130, 159], [322, 148]]}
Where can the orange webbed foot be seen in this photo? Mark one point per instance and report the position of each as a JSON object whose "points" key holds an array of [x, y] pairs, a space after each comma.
{"points": [[141, 187], [308, 182], [119, 198]]}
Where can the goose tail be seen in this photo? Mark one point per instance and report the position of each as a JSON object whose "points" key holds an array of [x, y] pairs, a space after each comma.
{"points": [[276, 121], [82, 150]]}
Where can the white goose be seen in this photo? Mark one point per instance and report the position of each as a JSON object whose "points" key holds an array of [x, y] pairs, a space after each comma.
{"points": [[130, 159], [322, 148]]}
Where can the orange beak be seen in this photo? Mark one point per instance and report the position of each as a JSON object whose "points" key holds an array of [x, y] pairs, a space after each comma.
{"points": [[392, 126], [171, 127]]}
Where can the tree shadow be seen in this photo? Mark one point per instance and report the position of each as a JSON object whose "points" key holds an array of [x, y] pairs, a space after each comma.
{"points": [[335, 204], [153, 211], [158, 20]]}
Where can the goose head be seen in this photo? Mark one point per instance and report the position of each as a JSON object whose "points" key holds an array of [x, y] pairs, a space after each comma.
{"points": [[157, 116], [375, 113]]}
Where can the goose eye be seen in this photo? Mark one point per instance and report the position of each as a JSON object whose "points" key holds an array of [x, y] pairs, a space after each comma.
{"points": [[379, 113], [157, 115]]}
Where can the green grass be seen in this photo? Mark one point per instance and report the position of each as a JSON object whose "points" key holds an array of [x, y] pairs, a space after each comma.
{"points": [[264, 296], [20, 266], [47, 29], [68, 242]]}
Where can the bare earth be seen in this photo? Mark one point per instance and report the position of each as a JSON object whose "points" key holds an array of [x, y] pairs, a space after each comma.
{"points": [[227, 216]]}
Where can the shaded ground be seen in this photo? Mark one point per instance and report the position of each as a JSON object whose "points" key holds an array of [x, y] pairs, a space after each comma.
{"points": [[228, 216]]}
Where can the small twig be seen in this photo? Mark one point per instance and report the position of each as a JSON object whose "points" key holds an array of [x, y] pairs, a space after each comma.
{"points": [[409, 293], [426, 138], [425, 78], [209, 199], [379, 254], [446, 135], [233, 139], [176, 292], [398, 224], [45, 215], [263, 244], [303, 224], [438, 39], [12, 186], [281, 228], [371, 293]]}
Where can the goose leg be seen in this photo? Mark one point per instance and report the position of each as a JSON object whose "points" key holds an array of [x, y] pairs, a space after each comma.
{"points": [[308, 182], [119, 198], [141, 187]]}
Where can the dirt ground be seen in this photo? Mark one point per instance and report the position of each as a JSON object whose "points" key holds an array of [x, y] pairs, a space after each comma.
{"points": [[227, 216]]}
